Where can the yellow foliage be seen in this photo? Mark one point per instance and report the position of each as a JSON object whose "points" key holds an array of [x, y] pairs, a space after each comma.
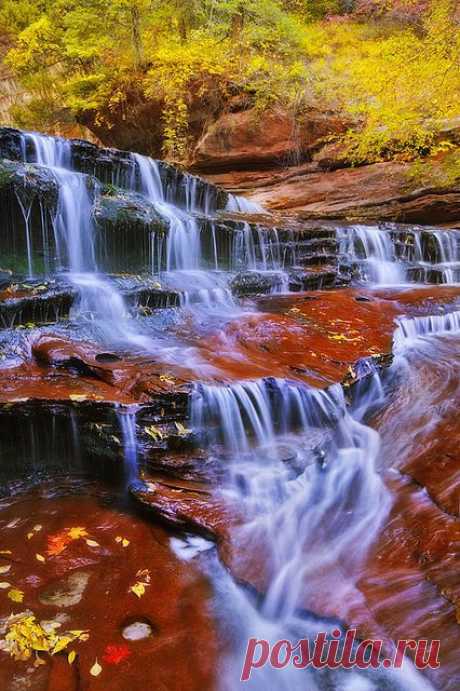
{"points": [[397, 83], [23, 635]]}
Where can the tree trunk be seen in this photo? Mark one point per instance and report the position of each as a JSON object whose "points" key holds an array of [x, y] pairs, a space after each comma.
{"points": [[136, 35], [238, 23]]}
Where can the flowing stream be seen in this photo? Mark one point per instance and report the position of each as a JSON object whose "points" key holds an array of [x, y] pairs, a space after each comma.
{"points": [[309, 469]]}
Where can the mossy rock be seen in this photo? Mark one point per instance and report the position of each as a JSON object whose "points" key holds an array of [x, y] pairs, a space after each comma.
{"points": [[125, 211], [29, 182]]}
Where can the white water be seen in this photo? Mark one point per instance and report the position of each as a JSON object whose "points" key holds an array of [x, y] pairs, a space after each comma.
{"points": [[411, 330], [304, 471], [380, 262], [237, 204], [179, 258], [127, 421], [99, 301], [375, 249]]}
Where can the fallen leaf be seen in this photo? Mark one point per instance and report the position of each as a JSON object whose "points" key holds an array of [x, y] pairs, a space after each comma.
{"points": [[167, 378], [71, 657], [5, 569], [77, 397], [16, 595], [58, 543], [30, 536], [154, 432], [6, 551], [77, 533], [37, 528], [114, 654], [96, 669], [144, 574], [40, 557], [138, 589], [61, 644], [4, 585], [92, 543], [181, 429], [125, 542]]}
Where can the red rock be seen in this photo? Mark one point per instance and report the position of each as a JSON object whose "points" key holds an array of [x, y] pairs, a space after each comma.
{"points": [[249, 139]]}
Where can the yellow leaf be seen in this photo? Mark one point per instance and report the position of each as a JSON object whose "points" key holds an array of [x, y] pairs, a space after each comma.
{"points": [[154, 432], [37, 528], [40, 557], [71, 657], [181, 429], [30, 536], [16, 595], [92, 543], [138, 589], [4, 585], [77, 533], [62, 643], [96, 669], [5, 569], [78, 397], [125, 542], [6, 551]]}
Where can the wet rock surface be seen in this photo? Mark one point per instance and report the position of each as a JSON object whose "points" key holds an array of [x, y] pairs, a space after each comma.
{"points": [[94, 553], [246, 379]]}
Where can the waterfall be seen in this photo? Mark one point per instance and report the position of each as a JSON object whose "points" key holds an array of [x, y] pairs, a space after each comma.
{"points": [[98, 298], [279, 479], [393, 256], [242, 205], [180, 257], [127, 421], [412, 329], [150, 184], [304, 471], [74, 232], [374, 250], [53, 152]]}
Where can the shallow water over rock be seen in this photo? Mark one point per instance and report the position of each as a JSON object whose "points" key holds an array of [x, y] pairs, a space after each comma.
{"points": [[285, 390]]}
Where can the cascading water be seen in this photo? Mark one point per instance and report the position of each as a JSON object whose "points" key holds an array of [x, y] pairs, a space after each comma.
{"points": [[304, 471], [375, 252], [237, 204], [411, 329], [390, 255], [127, 421], [98, 298], [180, 258]]}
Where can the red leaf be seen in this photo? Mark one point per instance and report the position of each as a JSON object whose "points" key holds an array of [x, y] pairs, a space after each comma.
{"points": [[114, 654]]}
